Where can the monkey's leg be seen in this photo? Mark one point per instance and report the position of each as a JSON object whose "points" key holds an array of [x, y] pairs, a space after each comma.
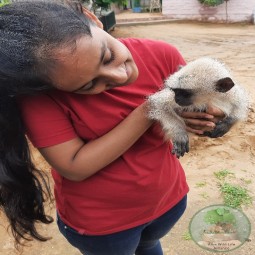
{"points": [[221, 128], [174, 129]]}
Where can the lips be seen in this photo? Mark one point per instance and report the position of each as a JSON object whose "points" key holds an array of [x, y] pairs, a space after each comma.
{"points": [[127, 69]]}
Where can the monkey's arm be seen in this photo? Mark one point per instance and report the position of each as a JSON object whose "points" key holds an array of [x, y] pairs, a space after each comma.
{"points": [[161, 109], [234, 112], [221, 128]]}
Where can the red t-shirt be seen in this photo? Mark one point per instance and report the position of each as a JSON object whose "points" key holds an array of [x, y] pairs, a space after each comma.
{"points": [[142, 184]]}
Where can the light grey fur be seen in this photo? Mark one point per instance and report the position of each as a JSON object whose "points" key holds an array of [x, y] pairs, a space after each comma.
{"points": [[200, 78]]}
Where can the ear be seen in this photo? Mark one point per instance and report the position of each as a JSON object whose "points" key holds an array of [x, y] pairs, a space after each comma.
{"points": [[93, 17], [224, 85]]}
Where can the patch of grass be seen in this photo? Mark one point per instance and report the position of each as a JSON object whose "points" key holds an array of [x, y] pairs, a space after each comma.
{"points": [[221, 175], [204, 195], [246, 181], [187, 236], [235, 195], [201, 184]]}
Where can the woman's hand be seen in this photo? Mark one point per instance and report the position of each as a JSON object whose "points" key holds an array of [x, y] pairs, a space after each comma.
{"points": [[199, 122]]}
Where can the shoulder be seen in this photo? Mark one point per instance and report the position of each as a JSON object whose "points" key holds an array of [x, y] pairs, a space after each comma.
{"points": [[148, 44], [45, 121], [39, 102], [157, 53]]}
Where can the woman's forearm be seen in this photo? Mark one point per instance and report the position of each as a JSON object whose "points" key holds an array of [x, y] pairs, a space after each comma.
{"points": [[76, 160]]}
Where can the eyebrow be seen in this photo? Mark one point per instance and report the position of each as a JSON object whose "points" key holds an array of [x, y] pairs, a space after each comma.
{"points": [[103, 49]]}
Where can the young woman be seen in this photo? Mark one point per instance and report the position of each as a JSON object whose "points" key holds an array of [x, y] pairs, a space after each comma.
{"points": [[80, 96]]}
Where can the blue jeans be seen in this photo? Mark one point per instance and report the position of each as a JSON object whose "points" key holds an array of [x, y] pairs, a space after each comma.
{"points": [[141, 240]]}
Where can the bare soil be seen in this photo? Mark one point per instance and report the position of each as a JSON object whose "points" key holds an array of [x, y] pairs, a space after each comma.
{"points": [[235, 45]]}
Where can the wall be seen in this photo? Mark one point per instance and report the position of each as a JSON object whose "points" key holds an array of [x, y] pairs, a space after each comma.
{"points": [[234, 11]]}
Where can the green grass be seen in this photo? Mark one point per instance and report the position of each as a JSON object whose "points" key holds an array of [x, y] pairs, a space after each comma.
{"points": [[204, 195], [187, 236], [221, 175], [246, 181], [201, 184], [235, 195]]}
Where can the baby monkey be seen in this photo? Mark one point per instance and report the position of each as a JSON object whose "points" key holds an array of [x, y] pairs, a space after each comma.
{"points": [[202, 82]]}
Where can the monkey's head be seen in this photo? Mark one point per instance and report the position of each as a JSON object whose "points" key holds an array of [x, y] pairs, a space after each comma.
{"points": [[200, 81]]}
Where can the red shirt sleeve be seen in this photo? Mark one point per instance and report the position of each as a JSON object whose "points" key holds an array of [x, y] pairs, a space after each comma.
{"points": [[45, 122], [173, 57]]}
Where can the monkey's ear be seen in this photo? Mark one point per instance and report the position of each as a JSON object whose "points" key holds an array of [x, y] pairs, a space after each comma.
{"points": [[224, 85]]}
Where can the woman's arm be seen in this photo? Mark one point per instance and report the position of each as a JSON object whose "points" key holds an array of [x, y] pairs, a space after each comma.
{"points": [[76, 160]]}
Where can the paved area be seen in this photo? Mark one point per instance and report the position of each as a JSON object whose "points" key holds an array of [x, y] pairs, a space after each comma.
{"points": [[128, 17]]}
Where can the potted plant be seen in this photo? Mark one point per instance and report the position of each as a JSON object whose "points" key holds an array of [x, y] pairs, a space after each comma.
{"points": [[209, 8], [211, 2], [137, 6], [102, 9]]}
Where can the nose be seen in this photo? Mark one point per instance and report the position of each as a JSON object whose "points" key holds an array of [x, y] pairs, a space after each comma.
{"points": [[116, 75]]}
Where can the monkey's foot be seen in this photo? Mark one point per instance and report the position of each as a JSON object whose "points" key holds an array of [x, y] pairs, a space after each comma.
{"points": [[180, 147]]}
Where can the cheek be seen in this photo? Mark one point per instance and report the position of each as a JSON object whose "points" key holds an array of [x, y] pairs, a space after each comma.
{"points": [[121, 52]]}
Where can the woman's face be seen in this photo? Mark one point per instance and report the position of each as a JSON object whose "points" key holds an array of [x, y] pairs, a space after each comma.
{"points": [[98, 63]]}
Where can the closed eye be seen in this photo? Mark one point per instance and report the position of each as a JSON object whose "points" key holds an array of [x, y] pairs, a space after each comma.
{"points": [[85, 87], [111, 59]]}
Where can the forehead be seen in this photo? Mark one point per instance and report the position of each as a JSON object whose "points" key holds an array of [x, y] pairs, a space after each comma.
{"points": [[75, 65]]}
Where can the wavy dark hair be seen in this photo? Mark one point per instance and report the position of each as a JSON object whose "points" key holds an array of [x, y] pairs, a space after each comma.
{"points": [[30, 31]]}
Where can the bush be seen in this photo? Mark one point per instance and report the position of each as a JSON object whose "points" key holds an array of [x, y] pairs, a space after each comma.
{"points": [[211, 2]]}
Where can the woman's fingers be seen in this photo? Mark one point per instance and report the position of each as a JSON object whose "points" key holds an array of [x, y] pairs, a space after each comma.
{"points": [[216, 112], [198, 126], [199, 122], [196, 115]]}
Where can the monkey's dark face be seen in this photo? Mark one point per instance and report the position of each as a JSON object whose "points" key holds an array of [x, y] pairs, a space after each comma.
{"points": [[204, 94], [183, 97]]}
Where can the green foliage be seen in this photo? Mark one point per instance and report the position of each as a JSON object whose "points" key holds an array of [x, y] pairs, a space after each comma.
{"points": [[104, 4], [204, 195], [4, 2], [235, 195], [211, 2], [221, 175], [220, 215], [201, 184], [187, 236], [137, 3]]}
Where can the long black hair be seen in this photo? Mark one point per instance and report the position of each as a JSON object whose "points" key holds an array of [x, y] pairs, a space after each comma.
{"points": [[29, 33]]}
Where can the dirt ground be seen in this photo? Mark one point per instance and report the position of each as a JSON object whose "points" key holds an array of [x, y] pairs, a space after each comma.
{"points": [[235, 152]]}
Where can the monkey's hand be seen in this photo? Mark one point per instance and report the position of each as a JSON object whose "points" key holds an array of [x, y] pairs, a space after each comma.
{"points": [[180, 145], [221, 128]]}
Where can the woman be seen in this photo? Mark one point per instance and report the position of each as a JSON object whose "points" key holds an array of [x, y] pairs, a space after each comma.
{"points": [[80, 96]]}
